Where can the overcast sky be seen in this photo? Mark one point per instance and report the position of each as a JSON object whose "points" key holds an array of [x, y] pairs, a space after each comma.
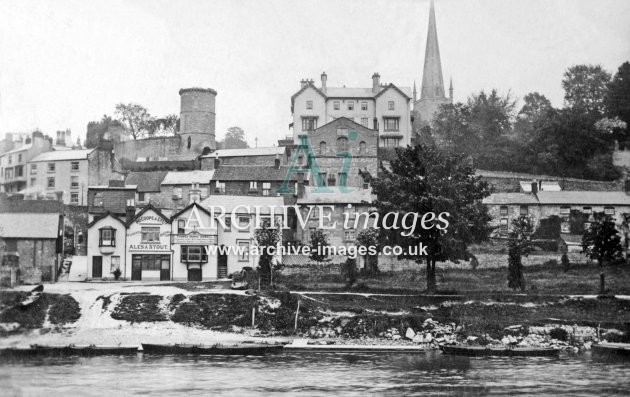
{"points": [[65, 63]]}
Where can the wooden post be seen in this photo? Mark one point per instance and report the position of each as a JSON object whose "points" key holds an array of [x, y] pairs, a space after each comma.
{"points": [[297, 313], [253, 316]]}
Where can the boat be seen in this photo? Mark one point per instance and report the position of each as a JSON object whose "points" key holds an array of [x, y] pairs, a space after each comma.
{"points": [[79, 350], [32, 297], [245, 349], [611, 349], [503, 351]]}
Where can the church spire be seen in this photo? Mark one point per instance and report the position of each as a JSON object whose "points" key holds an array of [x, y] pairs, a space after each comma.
{"points": [[432, 81]]}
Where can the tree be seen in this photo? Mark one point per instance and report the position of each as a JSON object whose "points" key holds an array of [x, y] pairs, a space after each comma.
{"points": [[534, 106], [319, 242], [135, 118], [164, 126], [602, 242], [586, 88], [519, 245], [618, 96], [266, 237], [491, 114], [370, 238], [421, 180], [235, 139]]}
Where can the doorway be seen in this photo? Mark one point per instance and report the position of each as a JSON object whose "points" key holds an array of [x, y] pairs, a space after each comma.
{"points": [[222, 265], [194, 274], [97, 266]]}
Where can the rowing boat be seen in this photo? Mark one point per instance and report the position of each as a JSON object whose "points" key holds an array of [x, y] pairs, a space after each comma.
{"points": [[245, 349], [474, 351]]}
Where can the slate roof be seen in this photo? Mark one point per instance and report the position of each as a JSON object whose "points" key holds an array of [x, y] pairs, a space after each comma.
{"points": [[335, 196], [510, 198], [30, 206], [19, 149], [60, 155], [188, 177], [231, 202], [256, 151], [146, 181], [29, 225], [584, 197], [253, 173]]}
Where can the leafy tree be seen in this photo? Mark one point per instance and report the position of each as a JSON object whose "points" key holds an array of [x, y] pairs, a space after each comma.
{"points": [[136, 119], [421, 180], [586, 87], [370, 238], [164, 126], [318, 239], [266, 236], [519, 245], [534, 106], [235, 139], [618, 97], [491, 114], [602, 242]]}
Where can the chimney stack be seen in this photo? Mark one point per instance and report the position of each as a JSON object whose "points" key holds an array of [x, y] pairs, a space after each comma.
{"points": [[324, 80], [534, 188], [376, 83], [277, 162], [217, 162], [303, 83]]}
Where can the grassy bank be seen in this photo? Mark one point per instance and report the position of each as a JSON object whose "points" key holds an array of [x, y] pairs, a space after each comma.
{"points": [[57, 309]]}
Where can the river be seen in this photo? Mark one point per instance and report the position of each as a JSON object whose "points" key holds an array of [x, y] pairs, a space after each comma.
{"points": [[313, 374]]}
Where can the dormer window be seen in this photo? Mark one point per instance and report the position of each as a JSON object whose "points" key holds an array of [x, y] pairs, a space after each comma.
{"points": [[107, 237]]}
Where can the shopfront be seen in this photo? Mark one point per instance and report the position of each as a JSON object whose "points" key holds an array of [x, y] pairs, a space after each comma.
{"points": [[148, 246]]}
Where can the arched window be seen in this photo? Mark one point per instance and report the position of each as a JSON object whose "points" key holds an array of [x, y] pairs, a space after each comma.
{"points": [[322, 148], [342, 144], [189, 142], [362, 147]]}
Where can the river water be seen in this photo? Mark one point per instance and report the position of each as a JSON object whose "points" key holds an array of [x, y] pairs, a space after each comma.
{"points": [[313, 374]]}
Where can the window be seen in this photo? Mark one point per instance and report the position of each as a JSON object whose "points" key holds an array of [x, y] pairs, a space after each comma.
{"points": [[203, 192], [97, 201], [309, 123], [74, 166], [343, 179], [609, 210], [364, 105], [350, 105], [189, 144], [8, 173], [51, 167], [150, 234], [107, 237], [177, 193], [362, 147], [115, 265], [74, 197], [321, 179], [10, 159], [33, 181], [342, 144], [266, 188], [524, 210], [19, 171], [336, 105], [503, 210], [565, 226], [253, 185], [194, 253], [219, 187], [565, 210], [51, 182], [365, 121], [141, 196], [152, 262], [181, 226], [228, 224], [243, 247], [33, 169], [391, 123], [587, 210], [503, 228], [74, 182], [349, 235], [309, 105], [20, 158], [243, 223], [322, 148], [390, 105]]}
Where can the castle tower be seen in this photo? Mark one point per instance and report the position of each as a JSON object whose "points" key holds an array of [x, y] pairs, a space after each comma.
{"points": [[432, 90], [197, 119]]}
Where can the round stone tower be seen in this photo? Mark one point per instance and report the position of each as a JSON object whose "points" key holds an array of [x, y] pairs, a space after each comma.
{"points": [[197, 117]]}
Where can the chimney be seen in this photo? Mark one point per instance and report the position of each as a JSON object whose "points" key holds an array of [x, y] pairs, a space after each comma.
{"points": [[303, 83], [217, 162], [324, 80], [534, 188], [376, 83], [130, 212], [277, 162], [375, 124]]}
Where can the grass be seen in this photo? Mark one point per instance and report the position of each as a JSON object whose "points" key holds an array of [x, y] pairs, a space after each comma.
{"points": [[139, 308], [541, 279], [61, 309]]}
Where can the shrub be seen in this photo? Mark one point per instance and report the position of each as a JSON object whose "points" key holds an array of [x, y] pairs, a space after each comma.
{"points": [[559, 334], [565, 262]]}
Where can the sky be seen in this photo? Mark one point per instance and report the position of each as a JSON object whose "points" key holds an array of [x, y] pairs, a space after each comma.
{"points": [[65, 63]]}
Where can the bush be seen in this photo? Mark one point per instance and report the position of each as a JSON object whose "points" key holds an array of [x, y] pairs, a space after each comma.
{"points": [[565, 262], [550, 263], [546, 245], [559, 334]]}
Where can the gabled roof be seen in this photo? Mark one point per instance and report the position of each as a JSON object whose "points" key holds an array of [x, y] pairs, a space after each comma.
{"points": [[510, 198], [304, 88], [193, 204], [105, 215], [584, 198], [188, 177], [252, 173], [229, 203], [146, 181], [145, 209], [393, 87], [343, 120], [254, 151], [61, 155], [14, 225]]}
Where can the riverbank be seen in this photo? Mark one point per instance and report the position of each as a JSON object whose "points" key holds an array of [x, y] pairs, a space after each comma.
{"points": [[124, 314]]}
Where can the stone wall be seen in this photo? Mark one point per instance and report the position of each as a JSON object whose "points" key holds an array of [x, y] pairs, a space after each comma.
{"points": [[158, 148]]}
